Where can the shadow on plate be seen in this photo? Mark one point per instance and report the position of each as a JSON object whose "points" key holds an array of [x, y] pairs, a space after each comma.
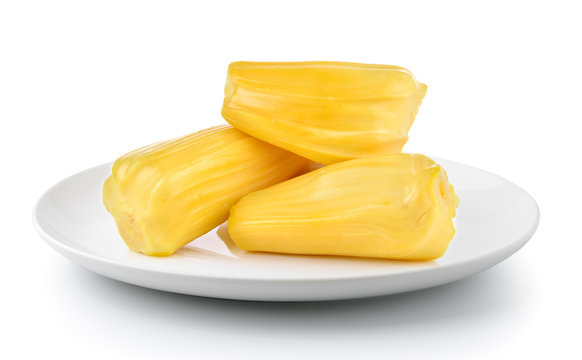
{"points": [[478, 297]]}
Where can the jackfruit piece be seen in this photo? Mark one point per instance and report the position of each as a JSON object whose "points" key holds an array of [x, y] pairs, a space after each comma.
{"points": [[165, 195], [396, 206], [325, 111]]}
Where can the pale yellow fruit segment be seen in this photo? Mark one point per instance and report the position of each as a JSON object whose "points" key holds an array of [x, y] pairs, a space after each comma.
{"points": [[396, 206], [167, 194], [325, 111]]}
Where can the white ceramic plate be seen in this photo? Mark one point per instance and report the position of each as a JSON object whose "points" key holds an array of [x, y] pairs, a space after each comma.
{"points": [[495, 218]]}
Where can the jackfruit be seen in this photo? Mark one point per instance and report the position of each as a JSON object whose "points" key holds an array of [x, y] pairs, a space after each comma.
{"points": [[325, 111], [396, 206], [167, 194]]}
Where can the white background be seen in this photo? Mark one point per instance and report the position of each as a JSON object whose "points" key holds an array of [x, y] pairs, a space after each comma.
{"points": [[82, 82]]}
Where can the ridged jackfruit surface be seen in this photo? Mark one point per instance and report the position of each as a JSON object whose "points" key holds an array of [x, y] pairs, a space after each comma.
{"points": [[167, 194], [325, 111], [396, 206]]}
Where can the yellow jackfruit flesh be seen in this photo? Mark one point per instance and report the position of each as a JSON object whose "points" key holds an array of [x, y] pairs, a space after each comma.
{"points": [[325, 111], [396, 206], [165, 195]]}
